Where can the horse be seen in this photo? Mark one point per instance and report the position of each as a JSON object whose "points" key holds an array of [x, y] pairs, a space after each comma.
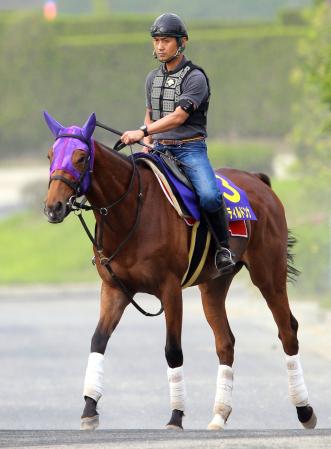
{"points": [[141, 244]]}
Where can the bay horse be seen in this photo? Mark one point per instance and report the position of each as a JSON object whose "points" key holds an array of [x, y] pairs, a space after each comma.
{"points": [[141, 245]]}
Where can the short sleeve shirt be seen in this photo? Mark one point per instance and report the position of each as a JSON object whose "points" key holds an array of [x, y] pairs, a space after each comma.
{"points": [[195, 88]]}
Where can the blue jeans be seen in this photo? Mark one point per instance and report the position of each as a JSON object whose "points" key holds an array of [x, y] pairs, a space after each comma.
{"points": [[199, 171]]}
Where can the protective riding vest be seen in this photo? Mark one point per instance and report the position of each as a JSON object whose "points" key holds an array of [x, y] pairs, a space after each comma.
{"points": [[166, 90]]}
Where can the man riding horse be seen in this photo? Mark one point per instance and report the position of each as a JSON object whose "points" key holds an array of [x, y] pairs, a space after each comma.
{"points": [[122, 195], [177, 104]]}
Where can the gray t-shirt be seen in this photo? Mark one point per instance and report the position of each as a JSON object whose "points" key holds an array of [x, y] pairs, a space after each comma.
{"points": [[195, 88]]}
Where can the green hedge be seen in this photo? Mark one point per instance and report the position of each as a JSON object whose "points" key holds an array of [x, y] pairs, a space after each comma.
{"points": [[248, 68], [255, 157]]}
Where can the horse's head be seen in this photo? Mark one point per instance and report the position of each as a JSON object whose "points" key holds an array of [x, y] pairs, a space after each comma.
{"points": [[71, 161]]}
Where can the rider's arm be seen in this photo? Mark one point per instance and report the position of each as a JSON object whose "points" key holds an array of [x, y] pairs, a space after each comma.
{"points": [[170, 121], [147, 121]]}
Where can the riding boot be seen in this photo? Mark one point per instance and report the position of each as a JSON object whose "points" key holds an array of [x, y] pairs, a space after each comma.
{"points": [[218, 224]]}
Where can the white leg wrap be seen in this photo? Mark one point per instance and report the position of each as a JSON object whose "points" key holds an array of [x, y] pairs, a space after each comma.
{"points": [[296, 383], [93, 384], [223, 388], [223, 397], [177, 388]]}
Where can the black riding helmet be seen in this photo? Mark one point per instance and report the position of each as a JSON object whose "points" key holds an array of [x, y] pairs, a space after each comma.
{"points": [[169, 24]]}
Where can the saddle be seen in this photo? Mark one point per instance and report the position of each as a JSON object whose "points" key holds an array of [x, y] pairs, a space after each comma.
{"points": [[180, 189], [174, 166]]}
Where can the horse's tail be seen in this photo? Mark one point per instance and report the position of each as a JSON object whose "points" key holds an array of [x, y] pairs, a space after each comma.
{"points": [[292, 272], [265, 178]]}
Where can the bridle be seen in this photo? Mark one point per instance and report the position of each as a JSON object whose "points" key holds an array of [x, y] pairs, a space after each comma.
{"points": [[76, 186], [97, 240]]}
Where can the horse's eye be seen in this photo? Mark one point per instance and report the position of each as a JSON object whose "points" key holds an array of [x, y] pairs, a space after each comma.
{"points": [[81, 159]]}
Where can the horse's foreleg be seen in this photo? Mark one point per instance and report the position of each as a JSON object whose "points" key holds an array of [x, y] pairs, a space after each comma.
{"points": [[173, 310], [213, 299], [113, 303]]}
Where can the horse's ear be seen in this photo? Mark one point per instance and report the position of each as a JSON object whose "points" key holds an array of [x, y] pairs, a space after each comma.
{"points": [[52, 124], [89, 126]]}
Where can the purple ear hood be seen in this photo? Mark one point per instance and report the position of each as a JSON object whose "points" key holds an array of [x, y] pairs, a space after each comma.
{"points": [[64, 147], [89, 126], [52, 124], [87, 129]]}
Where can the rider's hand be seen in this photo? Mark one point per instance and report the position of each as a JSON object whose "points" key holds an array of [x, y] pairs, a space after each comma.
{"points": [[148, 141], [130, 137]]}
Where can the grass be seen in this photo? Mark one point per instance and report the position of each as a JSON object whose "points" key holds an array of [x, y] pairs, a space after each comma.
{"points": [[34, 251]]}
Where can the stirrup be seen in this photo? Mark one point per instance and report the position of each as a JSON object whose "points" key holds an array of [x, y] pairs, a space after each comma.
{"points": [[224, 262]]}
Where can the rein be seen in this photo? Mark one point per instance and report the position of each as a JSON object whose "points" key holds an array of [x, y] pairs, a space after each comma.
{"points": [[97, 240]]}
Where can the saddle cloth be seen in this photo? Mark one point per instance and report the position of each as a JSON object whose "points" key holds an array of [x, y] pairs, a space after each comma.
{"points": [[184, 200]]}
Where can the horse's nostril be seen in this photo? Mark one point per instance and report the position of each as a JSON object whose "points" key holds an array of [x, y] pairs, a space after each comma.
{"points": [[56, 212], [58, 207]]}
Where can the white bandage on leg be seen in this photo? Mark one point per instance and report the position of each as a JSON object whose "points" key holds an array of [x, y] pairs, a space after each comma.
{"points": [[296, 383], [177, 388], [223, 397], [224, 387], [93, 384]]}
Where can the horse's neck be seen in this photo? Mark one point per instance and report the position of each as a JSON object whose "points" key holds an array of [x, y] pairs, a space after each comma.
{"points": [[111, 177]]}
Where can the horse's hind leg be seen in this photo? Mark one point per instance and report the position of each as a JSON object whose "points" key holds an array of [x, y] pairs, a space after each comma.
{"points": [[213, 295], [268, 272], [113, 303]]}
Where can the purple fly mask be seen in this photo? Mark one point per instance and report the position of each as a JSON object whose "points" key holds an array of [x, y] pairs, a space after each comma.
{"points": [[65, 145]]}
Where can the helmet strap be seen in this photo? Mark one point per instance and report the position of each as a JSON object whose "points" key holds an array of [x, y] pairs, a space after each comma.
{"points": [[178, 52]]}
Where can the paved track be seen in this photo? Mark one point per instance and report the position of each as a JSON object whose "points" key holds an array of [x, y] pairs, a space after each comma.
{"points": [[45, 338], [158, 439]]}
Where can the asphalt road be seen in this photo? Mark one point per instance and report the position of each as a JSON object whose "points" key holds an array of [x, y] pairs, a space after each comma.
{"points": [[164, 439], [44, 345]]}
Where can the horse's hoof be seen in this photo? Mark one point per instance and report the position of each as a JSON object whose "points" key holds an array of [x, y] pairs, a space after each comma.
{"points": [[311, 423], [175, 422], [307, 416], [173, 427], [217, 423], [89, 423]]}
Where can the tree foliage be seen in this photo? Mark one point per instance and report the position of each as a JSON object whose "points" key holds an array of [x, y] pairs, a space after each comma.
{"points": [[312, 138], [72, 67], [312, 133]]}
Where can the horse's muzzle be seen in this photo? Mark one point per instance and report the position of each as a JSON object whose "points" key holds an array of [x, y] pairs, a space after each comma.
{"points": [[57, 212]]}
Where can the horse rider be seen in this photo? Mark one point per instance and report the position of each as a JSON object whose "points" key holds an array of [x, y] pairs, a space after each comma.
{"points": [[176, 114]]}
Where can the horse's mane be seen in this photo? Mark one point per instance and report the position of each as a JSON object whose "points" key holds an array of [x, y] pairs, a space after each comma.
{"points": [[111, 150]]}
